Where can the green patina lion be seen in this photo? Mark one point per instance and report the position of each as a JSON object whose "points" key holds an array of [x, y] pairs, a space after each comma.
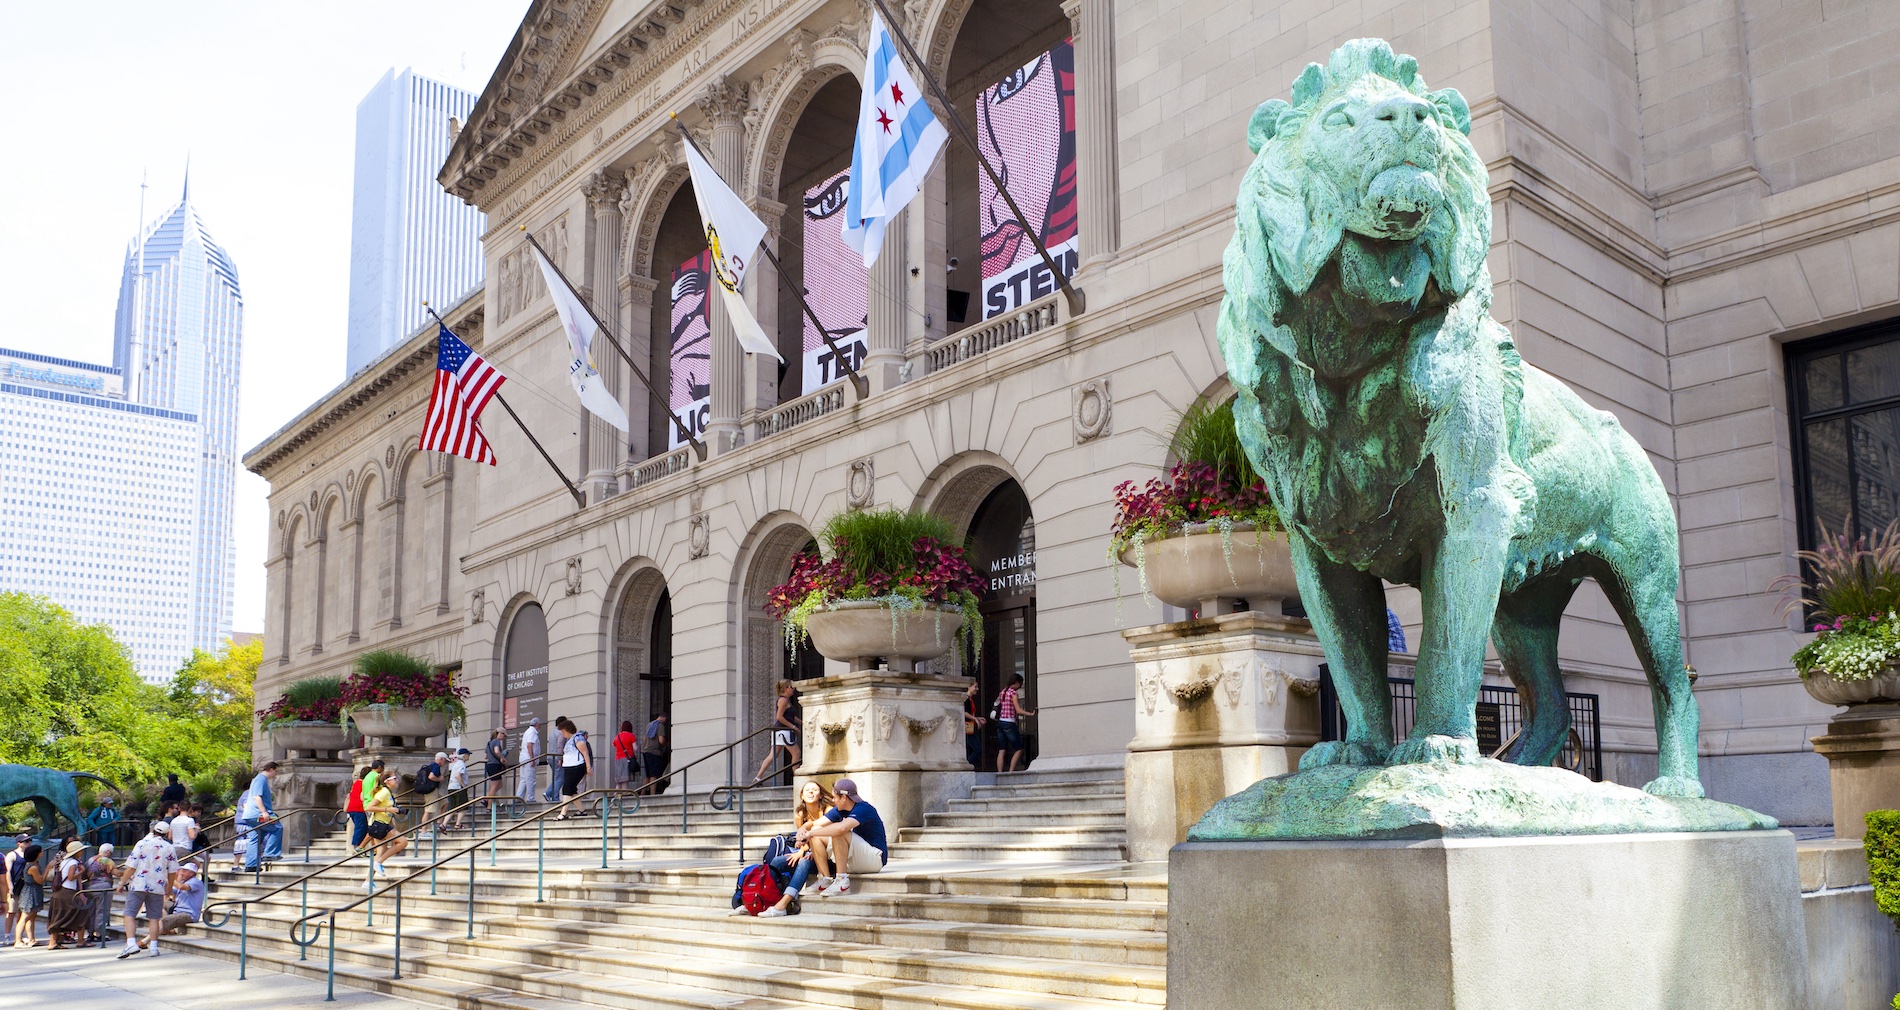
{"points": [[52, 792], [1403, 439]]}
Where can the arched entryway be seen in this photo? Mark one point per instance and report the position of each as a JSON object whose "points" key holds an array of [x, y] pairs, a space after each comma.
{"points": [[813, 183], [524, 671], [642, 652], [767, 659]]}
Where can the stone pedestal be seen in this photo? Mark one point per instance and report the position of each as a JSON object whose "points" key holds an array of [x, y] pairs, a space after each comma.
{"points": [[1220, 704], [1862, 747], [899, 736], [1602, 922], [307, 783]]}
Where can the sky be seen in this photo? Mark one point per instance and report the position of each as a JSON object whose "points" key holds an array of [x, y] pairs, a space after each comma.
{"points": [[261, 98]]}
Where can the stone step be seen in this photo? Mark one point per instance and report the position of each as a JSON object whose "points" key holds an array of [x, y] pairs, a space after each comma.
{"points": [[1027, 817], [1018, 852], [1103, 790], [1115, 805], [748, 946], [984, 831], [1101, 773]]}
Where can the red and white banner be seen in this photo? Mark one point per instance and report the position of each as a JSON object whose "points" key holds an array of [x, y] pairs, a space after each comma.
{"points": [[689, 394], [835, 285], [1026, 128]]}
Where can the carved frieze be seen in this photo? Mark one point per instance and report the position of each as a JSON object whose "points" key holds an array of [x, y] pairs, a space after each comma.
{"points": [[518, 278]]}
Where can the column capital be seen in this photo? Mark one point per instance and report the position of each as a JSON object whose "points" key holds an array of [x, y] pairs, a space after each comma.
{"points": [[724, 102], [603, 190], [1072, 9]]}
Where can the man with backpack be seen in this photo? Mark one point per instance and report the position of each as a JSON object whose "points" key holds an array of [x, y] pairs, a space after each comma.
{"points": [[257, 821], [429, 787], [858, 845], [16, 877]]}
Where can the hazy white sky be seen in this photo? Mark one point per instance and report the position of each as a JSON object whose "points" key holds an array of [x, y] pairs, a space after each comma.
{"points": [[262, 98]]}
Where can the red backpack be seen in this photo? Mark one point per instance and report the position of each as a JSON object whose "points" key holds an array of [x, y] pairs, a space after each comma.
{"points": [[759, 888]]}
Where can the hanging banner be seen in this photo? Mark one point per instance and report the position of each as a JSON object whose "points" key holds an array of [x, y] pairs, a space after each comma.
{"points": [[1026, 128], [690, 391], [835, 285]]}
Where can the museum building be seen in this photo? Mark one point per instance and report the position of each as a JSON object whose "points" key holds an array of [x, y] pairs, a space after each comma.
{"points": [[1696, 224]]}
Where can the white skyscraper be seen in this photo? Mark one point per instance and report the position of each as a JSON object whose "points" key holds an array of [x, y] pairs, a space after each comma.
{"points": [[177, 340], [99, 504], [410, 240]]}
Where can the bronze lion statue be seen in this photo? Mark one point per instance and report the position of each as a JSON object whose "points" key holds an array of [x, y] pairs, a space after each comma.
{"points": [[1403, 439]]}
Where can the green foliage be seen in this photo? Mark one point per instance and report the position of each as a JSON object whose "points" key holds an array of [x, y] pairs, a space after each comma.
{"points": [[881, 541], [1848, 576], [74, 701], [1205, 434], [393, 662], [1881, 842], [311, 690]]}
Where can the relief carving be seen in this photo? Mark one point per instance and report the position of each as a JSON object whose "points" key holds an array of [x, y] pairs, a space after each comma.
{"points": [[1092, 409], [519, 281], [699, 537], [573, 576], [860, 484], [477, 604]]}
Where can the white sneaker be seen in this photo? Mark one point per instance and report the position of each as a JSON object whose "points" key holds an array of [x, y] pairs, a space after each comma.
{"points": [[842, 885], [153, 952], [739, 910], [130, 949], [381, 870], [823, 882], [773, 913], [369, 887]]}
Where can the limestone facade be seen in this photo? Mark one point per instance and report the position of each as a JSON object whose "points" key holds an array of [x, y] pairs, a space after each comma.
{"points": [[1681, 190]]}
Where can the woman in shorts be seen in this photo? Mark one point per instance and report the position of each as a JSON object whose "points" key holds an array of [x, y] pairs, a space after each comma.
{"points": [[788, 724]]}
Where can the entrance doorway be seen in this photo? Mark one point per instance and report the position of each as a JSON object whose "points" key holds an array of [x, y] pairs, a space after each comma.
{"points": [[1003, 550]]}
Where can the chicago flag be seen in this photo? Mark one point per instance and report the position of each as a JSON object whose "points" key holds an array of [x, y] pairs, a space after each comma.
{"points": [[898, 139]]}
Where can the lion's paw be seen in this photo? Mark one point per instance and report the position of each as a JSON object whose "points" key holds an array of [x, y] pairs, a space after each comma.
{"points": [[1338, 752], [1424, 749], [1674, 785]]}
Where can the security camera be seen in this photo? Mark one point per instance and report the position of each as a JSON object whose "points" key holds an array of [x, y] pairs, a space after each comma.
{"points": [[952, 268]]}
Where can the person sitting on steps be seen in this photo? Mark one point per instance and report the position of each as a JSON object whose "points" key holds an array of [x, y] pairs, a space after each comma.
{"points": [[855, 834]]}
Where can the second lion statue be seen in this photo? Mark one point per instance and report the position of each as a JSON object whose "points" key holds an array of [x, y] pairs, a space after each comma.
{"points": [[1403, 438]]}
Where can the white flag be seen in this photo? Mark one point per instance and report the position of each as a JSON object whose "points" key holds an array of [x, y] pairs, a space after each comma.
{"points": [[898, 140], [733, 233], [579, 324]]}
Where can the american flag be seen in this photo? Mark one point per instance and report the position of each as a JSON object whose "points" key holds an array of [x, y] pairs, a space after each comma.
{"points": [[464, 383]]}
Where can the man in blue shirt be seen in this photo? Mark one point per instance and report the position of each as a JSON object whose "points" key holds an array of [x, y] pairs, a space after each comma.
{"points": [[188, 893], [257, 816], [858, 845]]}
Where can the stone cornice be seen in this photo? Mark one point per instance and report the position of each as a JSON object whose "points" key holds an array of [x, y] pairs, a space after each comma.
{"points": [[393, 368]]}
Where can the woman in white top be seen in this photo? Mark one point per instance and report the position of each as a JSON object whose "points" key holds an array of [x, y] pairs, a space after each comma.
{"points": [[577, 760], [185, 831]]}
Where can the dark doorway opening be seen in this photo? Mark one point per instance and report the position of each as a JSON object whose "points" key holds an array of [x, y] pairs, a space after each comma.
{"points": [[1003, 550]]}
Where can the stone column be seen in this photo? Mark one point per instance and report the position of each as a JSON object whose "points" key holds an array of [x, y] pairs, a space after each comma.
{"points": [[603, 263], [1098, 176], [761, 291], [1862, 747], [724, 106], [888, 307], [1220, 704], [899, 736], [636, 293]]}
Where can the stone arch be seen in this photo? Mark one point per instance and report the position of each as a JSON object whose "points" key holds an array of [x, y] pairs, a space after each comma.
{"points": [[287, 583], [956, 488], [331, 509], [513, 612], [644, 223], [363, 528], [638, 591], [786, 105], [370, 472], [764, 561]]}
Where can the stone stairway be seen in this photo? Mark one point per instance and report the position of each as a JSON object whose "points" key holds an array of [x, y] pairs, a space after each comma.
{"points": [[1015, 898]]}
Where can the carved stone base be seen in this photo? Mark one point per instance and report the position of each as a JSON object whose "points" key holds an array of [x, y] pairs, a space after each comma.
{"points": [[308, 782], [899, 736], [1862, 747], [1220, 704]]}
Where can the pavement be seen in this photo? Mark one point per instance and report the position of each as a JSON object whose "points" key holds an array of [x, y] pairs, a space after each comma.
{"points": [[94, 979]]}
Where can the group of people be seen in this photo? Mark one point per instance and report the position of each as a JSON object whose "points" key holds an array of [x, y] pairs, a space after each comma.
{"points": [[158, 878], [570, 757], [1006, 714]]}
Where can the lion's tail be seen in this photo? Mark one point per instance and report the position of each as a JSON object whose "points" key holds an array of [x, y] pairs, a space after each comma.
{"points": [[95, 778]]}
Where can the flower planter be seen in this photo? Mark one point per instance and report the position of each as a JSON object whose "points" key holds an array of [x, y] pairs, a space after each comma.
{"points": [[1881, 687], [1197, 570], [307, 739], [400, 722], [859, 631]]}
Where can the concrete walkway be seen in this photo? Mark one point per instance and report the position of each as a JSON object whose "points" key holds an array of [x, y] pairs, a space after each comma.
{"points": [[94, 979]]}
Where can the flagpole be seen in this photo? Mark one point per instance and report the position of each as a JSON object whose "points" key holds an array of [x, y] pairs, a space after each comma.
{"points": [[858, 382], [1073, 295], [699, 448], [580, 500]]}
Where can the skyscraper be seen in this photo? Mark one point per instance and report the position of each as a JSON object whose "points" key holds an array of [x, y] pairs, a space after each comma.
{"points": [[409, 239], [177, 341]]}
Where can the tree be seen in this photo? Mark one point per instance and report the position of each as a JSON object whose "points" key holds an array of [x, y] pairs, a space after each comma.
{"points": [[214, 691]]}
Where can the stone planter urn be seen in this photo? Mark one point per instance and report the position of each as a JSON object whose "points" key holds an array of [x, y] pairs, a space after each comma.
{"points": [[307, 739], [859, 631], [1828, 690], [379, 721], [1196, 569]]}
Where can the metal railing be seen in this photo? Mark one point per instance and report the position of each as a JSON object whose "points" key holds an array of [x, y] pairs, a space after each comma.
{"points": [[737, 793], [791, 414], [1500, 721], [658, 467], [605, 802], [987, 336]]}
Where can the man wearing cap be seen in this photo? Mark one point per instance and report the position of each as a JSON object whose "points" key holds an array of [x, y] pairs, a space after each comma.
{"points": [[429, 784], [458, 790], [529, 766], [16, 869], [146, 880], [257, 820], [188, 901], [858, 845]]}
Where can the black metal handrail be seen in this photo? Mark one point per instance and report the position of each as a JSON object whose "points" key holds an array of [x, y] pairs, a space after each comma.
{"points": [[737, 793]]}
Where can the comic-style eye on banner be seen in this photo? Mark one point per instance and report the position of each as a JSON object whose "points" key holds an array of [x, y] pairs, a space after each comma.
{"points": [[1026, 128], [835, 284], [690, 389]]}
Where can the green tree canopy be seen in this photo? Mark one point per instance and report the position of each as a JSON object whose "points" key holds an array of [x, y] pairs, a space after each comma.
{"points": [[75, 702]]}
